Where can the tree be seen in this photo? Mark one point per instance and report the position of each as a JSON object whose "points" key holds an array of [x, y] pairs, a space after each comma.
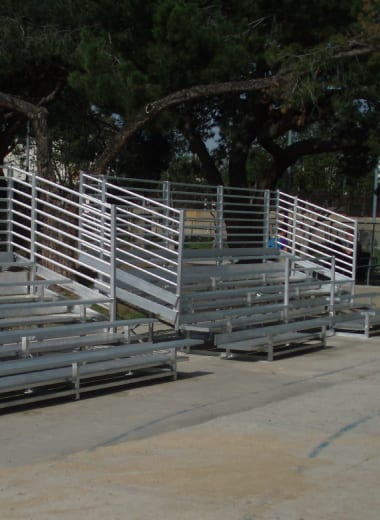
{"points": [[252, 70], [34, 44], [283, 70]]}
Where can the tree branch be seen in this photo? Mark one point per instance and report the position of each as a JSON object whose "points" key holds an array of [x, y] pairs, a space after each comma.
{"points": [[151, 110], [199, 148], [38, 117], [16, 104]]}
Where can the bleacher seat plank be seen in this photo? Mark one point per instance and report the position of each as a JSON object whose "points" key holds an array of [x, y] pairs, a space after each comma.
{"points": [[61, 344], [79, 372], [58, 302], [271, 336], [7, 336], [230, 254], [40, 319], [50, 361]]}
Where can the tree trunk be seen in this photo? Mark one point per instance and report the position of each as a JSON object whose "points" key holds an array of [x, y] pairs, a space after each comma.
{"points": [[40, 127], [244, 215], [198, 147], [38, 117]]}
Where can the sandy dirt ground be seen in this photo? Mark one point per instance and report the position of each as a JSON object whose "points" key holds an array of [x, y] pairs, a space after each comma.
{"points": [[311, 454]]}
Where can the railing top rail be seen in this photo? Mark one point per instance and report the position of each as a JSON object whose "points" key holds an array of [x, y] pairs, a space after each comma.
{"points": [[177, 185], [75, 198], [133, 194]]}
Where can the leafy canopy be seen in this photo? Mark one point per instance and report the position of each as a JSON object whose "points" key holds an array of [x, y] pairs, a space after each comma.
{"points": [[109, 61]]}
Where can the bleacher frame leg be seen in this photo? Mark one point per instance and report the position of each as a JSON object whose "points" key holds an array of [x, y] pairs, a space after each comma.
{"points": [[270, 350], [75, 373], [324, 335]]}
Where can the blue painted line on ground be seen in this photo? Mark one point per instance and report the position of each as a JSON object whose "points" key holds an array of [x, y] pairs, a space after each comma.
{"points": [[126, 434], [123, 436], [342, 431]]}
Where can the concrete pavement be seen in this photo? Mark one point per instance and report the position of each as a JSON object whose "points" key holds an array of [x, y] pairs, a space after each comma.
{"points": [[230, 440]]}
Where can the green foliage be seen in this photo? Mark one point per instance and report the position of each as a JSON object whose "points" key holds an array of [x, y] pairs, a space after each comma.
{"points": [[184, 169], [187, 49], [109, 59], [36, 40]]}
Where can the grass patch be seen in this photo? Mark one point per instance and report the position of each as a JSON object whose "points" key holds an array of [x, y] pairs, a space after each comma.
{"points": [[128, 313]]}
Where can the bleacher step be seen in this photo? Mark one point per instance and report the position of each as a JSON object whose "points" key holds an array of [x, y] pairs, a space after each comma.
{"points": [[40, 320]]}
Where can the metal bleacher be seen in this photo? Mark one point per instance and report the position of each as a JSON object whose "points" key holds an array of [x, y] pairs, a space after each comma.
{"points": [[59, 330], [200, 260], [194, 258], [57, 346]]}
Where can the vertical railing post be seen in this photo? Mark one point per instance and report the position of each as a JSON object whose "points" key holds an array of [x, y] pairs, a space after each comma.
{"points": [[294, 225], [102, 238], [81, 183], [355, 250], [9, 208], [266, 223], [180, 248], [113, 251], [80, 212], [276, 214], [33, 218], [103, 201], [166, 195], [286, 287], [332, 288], [219, 217]]}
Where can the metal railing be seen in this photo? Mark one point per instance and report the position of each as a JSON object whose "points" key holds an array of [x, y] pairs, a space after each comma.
{"points": [[43, 220], [315, 232], [81, 234], [214, 216], [217, 216], [103, 228], [149, 234]]}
